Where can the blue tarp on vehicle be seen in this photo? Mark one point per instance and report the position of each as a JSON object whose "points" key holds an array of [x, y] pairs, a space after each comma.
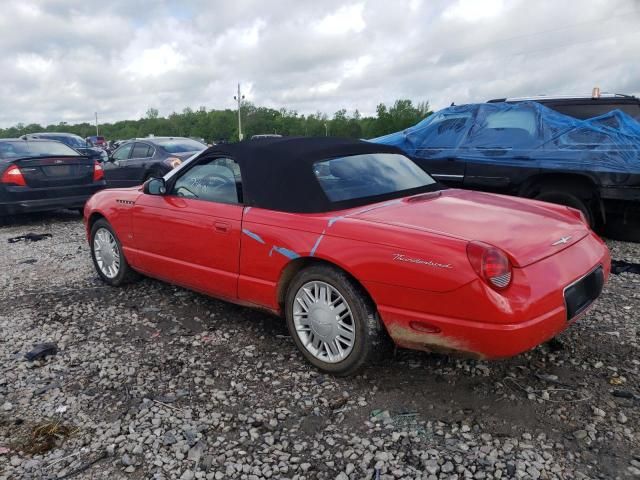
{"points": [[523, 133]]}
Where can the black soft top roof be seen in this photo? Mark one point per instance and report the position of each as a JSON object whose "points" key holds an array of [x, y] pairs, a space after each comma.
{"points": [[277, 173]]}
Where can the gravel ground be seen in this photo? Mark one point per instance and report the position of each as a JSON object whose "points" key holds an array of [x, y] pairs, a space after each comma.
{"points": [[153, 381]]}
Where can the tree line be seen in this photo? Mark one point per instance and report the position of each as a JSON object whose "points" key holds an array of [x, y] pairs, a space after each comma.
{"points": [[222, 125]]}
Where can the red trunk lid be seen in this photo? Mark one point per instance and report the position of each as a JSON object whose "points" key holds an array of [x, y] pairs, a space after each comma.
{"points": [[526, 230]]}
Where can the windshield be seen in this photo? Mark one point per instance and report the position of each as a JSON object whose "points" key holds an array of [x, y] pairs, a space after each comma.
{"points": [[370, 175], [179, 145], [25, 148]]}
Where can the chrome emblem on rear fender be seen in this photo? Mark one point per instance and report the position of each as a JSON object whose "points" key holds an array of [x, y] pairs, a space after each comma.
{"points": [[561, 241], [398, 257]]}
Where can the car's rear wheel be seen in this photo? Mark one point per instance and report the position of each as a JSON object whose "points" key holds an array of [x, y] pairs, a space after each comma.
{"points": [[332, 321], [569, 200], [107, 255]]}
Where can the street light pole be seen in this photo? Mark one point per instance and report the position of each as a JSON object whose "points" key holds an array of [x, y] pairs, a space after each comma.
{"points": [[326, 130], [97, 124], [239, 98]]}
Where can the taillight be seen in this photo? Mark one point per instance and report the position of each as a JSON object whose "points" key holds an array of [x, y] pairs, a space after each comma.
{"points": [[13, 176], [491, 264], [98, 171]]}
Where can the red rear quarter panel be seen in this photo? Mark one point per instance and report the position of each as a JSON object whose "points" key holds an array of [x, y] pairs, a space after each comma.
{"points": [[271, 240]]}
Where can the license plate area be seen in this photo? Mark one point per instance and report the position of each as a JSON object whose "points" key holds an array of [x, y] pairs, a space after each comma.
{"points": [[581, 293], [57, 170]]}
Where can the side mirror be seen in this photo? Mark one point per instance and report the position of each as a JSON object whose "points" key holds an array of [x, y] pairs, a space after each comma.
{"points": [[155, 186]]}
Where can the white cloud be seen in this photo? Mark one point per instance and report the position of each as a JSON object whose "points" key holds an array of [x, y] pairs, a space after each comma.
{"points": [[474, 10], [60, 61], [346, 19], [250, 36], [155, 62], [357, 67], [29, 10], [34, 64], [325, 87]]}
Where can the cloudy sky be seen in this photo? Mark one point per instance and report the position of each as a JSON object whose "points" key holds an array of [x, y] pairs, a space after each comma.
{"points": [[61, 60]]}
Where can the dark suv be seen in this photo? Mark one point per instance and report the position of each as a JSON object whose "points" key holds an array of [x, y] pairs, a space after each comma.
{"points": [[583, 107], [528, 150]]}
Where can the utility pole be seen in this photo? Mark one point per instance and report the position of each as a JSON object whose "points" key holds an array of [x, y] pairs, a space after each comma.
{"points": [[97, 124], [239, 98], [326, 129]]}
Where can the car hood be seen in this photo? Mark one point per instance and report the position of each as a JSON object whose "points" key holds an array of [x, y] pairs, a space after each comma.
{"points": [[527, 230], [121, 193]]}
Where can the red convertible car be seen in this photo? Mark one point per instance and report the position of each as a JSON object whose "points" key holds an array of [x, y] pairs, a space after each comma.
{"points": [[351, 241]]}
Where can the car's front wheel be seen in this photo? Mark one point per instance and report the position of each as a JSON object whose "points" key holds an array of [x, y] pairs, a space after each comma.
{"points": [[332, 321], [107, 255]]}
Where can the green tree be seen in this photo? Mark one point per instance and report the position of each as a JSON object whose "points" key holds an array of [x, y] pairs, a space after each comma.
{"points": [[222, 125]]}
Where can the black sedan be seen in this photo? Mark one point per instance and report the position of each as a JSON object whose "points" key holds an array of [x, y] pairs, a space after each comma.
{"points": [[39, 175], [71, 140], [138, 160]]}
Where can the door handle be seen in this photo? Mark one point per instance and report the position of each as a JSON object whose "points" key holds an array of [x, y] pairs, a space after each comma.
{"points": [[222, 227]]}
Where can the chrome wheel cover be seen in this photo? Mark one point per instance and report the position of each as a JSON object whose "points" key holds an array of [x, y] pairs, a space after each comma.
{"points": [[324, 322], [106, 253]]}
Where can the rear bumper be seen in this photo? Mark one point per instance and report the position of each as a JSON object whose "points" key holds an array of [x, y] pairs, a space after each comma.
{"points": [[472, 339], [18, 199], [44, 204]]}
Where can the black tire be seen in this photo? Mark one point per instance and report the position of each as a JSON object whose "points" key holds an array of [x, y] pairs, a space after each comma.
{"points": [[569, 200], [125, 273], [370, 336]]}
